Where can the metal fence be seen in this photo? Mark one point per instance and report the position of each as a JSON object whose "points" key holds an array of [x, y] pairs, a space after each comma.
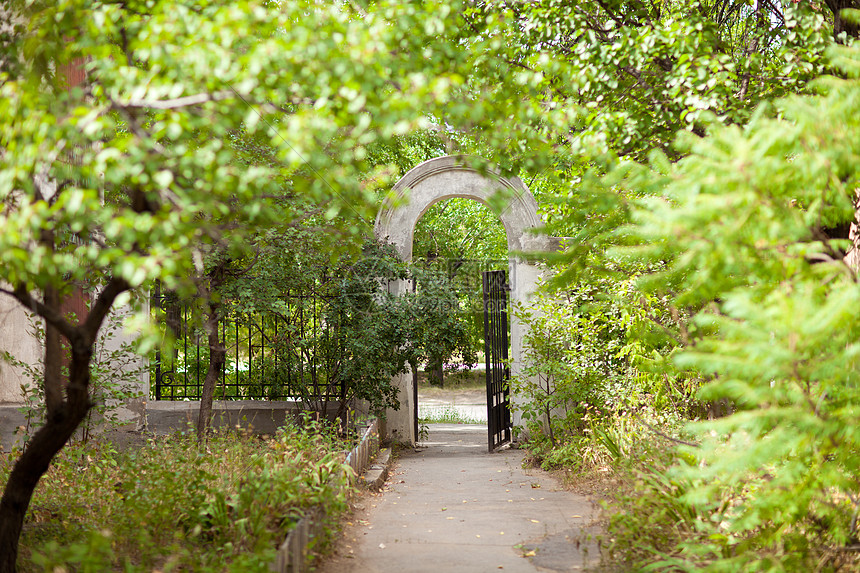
{"points": [[291, 351]]}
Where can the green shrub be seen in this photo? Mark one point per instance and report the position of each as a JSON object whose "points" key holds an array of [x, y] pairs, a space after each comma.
{"points": [[741, 227], [172, 505]]}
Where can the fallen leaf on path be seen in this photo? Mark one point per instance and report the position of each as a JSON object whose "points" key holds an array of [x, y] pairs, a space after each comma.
{"points": [[530, 553], [534, 521]]}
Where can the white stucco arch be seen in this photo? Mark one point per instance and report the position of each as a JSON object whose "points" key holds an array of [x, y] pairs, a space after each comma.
{"points": [[447, 178]]}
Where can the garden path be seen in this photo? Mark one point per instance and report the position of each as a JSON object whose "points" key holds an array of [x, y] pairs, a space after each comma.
{"points": [[450, 506]]}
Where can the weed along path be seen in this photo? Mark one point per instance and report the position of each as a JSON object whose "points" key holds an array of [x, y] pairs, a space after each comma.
{"points": [[449, 506]]}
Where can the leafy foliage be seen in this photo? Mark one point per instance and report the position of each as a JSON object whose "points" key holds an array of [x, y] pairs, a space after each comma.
{"points": [[738, 224], [638, 72], [168, 504], [594, 370], [194, 127]]}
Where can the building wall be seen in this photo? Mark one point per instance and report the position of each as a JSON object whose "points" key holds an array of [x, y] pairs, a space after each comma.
{"points": [[18, 338], [16, 329]]}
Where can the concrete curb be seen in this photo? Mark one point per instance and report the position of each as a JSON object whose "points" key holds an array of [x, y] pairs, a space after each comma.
{"points": [[374, 478]]}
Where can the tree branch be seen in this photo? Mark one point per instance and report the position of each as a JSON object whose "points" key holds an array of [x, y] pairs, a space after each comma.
{"points": [[100, 308], [668, 437], [185, 101], [53, 317]]}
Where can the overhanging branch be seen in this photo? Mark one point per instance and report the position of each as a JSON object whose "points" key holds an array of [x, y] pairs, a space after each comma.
{"points": [[52, 316], [175, 103]]}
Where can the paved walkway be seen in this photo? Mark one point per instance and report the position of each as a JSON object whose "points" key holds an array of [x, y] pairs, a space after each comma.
{"points": [[452, 507]]}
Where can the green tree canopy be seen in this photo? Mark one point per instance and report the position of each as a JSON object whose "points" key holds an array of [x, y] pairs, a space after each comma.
{"points": [[198, 125], [733, 233]]}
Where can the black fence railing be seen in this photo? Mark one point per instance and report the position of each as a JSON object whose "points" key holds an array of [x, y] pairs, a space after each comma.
{"points": [[291, 351]]}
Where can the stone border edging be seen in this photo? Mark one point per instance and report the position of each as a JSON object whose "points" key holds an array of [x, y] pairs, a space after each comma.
{"points": [[374, 478]]}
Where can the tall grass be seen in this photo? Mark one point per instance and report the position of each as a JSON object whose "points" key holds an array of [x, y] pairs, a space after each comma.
{"points": [[171, 505]]}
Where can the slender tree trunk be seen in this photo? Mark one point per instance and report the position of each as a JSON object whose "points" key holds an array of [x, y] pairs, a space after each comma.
{"points": [[27, 472], [53, 371], [217, 350], [436, 375], [217, 358], [852, 257]]}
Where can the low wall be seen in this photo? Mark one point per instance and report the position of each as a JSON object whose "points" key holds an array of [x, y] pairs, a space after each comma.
{"points": [[261, 417], [162, 417]]}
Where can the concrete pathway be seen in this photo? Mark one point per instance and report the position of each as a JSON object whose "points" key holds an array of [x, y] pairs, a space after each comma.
{"points": [[452, 507]]}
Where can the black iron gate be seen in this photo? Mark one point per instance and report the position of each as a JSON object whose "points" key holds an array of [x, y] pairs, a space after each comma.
{"points": [[496, 350]]}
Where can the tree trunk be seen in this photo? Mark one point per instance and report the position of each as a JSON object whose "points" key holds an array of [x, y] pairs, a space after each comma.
{"points": [[852, 257], [436, 375], [839, 24], [217, 351], [217, 358], [59, 426]]}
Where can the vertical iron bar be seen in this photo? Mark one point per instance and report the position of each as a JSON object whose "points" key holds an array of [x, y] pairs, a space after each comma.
{"points": [[185, 355], [262, 352], [488, 359], [157, 305], [238, 377], [250, 352]]}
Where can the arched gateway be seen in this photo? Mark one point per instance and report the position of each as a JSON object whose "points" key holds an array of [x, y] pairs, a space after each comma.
{"points": [[447, 178]]}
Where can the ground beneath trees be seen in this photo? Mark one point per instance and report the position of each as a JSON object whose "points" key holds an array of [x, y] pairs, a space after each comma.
{"points": [[468, 404], [450, 506]]}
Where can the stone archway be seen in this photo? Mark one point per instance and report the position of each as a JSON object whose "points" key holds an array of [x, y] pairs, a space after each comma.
{"points": [[447, 178]]}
